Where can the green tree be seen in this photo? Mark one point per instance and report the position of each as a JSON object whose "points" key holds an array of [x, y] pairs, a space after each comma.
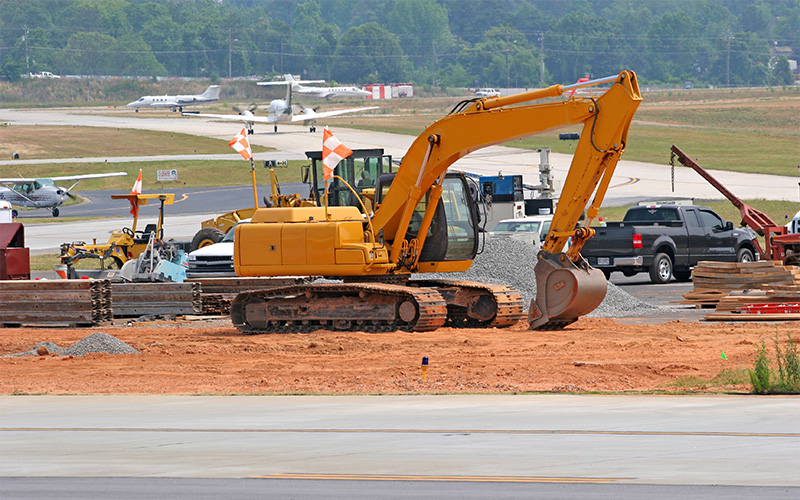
{"points": [[88, 53], [369, 52], [672, 46], [781, 72], [133, 57], [423, 29]]}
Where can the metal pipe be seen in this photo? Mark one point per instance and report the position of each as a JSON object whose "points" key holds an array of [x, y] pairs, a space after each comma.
{"points": [[532, 95], [590, 83]]}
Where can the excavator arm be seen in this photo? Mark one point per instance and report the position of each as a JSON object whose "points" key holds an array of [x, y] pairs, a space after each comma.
{"points": [[566, 286]]}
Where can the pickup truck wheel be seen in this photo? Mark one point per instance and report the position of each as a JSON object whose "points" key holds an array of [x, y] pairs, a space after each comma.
{"points": [[606, 273], [206, 236], [682, 274], [744, 255], [661, 269]]}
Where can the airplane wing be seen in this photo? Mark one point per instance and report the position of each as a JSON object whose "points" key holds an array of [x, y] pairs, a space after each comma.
{"points": [[85, 176], [310, 114], [287, 82], [232, 118], [16, 180]]}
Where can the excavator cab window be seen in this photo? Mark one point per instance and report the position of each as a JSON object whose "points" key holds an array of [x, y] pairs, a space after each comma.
{"points": [[453, 233], [360, 170]]}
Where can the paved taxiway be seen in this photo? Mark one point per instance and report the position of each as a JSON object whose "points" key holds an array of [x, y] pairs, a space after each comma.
{"points": [[567, 439]]}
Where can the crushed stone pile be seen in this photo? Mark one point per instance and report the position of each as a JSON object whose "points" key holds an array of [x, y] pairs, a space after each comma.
{"points": [[96, 342], [508, 261]]}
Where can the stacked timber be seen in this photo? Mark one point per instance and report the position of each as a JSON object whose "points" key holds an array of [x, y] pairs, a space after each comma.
{"points": [[218, 293], [715, 280], [56, 302], [155, 299]]}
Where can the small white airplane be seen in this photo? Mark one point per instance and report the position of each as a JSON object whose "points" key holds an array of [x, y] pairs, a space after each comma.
{"points": [[279, 111], [175, 101], [43, 192], [319, 92]]}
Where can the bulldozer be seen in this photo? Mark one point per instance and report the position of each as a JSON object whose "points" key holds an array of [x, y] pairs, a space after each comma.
{"points": [[424, 220]]}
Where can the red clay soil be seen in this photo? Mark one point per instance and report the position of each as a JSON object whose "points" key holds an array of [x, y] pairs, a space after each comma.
{"points": [[211, 357]]}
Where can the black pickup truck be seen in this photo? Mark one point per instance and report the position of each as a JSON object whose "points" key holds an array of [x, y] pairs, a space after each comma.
{"points": [[666, 241]]}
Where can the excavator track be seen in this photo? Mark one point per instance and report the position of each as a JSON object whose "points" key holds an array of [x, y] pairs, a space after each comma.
{"points": [[367, 307], [477, 305]]}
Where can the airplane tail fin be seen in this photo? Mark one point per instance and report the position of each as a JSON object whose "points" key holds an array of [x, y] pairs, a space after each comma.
{"points": [[212, 92]]}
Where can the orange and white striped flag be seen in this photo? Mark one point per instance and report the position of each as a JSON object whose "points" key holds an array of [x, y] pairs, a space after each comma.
{"points": [[333, 152], [137, 189], [242, 145]]}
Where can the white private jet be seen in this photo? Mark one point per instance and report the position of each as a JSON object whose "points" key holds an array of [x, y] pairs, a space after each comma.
{"points": [[175, 101], [42, 192], [279, 111], [319, 92]]}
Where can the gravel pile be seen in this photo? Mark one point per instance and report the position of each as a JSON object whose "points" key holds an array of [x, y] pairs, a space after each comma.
{"points": [[508, 261], [49, 346], [96, 342]]}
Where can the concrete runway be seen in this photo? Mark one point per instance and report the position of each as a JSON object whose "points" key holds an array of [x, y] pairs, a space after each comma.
{"points": [[571, 440]]}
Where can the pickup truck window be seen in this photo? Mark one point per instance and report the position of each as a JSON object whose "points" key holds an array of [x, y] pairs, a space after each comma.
{"points": [[691, 218], [651, 214], [710, 219]]}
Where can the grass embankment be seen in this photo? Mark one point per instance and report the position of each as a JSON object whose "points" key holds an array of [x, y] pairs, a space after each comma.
{"points": [[745, 130]]}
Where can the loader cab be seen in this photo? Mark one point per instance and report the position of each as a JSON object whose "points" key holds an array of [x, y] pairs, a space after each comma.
{"points": [[361, 170], [453, 234]]}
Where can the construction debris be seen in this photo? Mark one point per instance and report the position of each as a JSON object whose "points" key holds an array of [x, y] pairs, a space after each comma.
{"points": [[70, 302], [746, 291]]}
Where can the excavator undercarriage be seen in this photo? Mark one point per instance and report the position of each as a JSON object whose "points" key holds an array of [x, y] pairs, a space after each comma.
{"points": [[418, 306]]}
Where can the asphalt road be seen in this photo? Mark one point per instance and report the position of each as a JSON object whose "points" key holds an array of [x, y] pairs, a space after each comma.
{"points": [[548, 446]]}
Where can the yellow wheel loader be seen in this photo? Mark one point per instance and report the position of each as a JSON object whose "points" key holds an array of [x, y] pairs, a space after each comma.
{"points": [[425, 220], [124, 244]]}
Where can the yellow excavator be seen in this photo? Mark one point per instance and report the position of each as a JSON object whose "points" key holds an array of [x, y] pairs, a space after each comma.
{"points": [[426, 221]]}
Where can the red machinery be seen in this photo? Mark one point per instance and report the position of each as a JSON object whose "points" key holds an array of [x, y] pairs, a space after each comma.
{"points": [[779, 243], [15, 261]]}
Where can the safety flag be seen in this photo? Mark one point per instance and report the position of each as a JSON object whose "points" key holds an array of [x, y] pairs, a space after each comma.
{"points": [[722, 355], [333, 152], [137, 189], [242, 145]]}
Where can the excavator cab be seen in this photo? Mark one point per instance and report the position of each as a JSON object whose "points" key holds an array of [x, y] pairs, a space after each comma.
{"points": [[453, 231], [360, 170]]}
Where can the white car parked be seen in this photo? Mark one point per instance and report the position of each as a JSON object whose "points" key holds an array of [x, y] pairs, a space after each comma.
{"points": [[214, 261], [486, 92], [531, 229]]}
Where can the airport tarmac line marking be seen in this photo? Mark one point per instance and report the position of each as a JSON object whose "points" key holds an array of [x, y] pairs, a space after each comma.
{"points": [[461, 432], [471, 479]]}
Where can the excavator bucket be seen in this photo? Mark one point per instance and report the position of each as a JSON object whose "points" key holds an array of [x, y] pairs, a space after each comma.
{"points": [[565, 291]]}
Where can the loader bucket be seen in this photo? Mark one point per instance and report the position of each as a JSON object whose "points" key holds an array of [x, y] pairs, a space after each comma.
{"points": [[565, 291]]}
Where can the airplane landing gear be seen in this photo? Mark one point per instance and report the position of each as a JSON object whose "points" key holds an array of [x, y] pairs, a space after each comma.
{"points": [[312, 129], [276, 128], [55, 212]]}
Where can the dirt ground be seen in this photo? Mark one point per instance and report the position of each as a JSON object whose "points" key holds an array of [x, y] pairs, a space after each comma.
{"points": [[211, 357]]}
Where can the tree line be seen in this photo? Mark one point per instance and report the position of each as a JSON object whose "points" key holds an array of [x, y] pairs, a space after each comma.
{"points": [[447, 43]]}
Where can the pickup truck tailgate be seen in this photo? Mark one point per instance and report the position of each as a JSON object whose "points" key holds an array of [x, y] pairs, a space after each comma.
{"points": [[617, 241]]}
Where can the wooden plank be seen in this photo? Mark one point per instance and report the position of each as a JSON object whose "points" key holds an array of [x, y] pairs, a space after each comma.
{"points": [[751, 317]]}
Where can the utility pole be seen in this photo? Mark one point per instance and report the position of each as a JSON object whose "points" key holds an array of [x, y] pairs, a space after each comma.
{"points": [[728, 61], [541, 54], [25, 38], [434, 62], [229, 53], [508, 68]]}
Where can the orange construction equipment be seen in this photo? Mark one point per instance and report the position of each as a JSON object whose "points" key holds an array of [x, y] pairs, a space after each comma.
{"points": [[425, 221]]}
